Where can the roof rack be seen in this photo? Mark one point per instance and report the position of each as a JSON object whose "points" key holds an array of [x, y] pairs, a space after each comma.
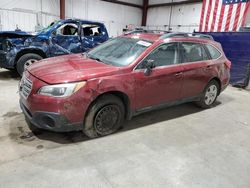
{"points": [[180, 34], [140, 30]]}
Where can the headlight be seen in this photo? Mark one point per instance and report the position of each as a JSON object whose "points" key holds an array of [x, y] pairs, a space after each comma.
{"points": [[61, 90]]}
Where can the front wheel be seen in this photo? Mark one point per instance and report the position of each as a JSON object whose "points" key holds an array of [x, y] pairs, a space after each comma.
{"points": [[209, 95], [104, 117], [25, 61]]}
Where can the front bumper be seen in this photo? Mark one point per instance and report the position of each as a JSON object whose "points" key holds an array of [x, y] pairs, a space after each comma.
{"points": [[50, 121]]}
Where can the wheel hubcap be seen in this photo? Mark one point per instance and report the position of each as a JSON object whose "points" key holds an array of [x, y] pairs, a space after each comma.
{"points": [[211, 94], [28, 63], [107, 119]]}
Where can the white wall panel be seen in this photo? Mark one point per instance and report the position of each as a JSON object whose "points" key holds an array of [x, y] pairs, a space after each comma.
{"points": [[114, 16], [10, 20], [152, 2], [184, 17], [138, 2]]}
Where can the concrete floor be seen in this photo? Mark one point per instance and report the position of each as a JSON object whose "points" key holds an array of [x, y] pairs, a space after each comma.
{"points": [[181, 146]]}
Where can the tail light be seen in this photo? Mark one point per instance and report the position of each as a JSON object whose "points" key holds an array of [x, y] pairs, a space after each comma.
{"points": [[228, 64]]}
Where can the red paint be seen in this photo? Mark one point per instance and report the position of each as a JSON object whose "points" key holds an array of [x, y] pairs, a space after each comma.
{"points": [[164, 84], [229, 15], [222, 11], [202, 16], [237, 15], [245, 14], [208, 15], [214, 15]]}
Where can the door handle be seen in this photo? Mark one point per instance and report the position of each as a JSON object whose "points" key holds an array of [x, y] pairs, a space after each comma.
{"points": [[178, 74]]}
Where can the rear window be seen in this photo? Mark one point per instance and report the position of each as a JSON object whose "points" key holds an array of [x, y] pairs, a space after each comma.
{"points": [[214, 53]]}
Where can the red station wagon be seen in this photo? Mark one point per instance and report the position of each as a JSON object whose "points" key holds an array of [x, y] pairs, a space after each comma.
{"points": [[128, 75]]}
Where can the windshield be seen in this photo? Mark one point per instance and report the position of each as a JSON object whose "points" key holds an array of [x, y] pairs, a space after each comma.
{"points": [[44, 30], [119, 51]]}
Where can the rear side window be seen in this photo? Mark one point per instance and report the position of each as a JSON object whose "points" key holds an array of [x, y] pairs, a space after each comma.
{"points": [[192, 52], [91, 30], [214, 53]]}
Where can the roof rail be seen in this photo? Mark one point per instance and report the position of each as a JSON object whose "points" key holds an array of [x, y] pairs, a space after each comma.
{"points": [[146, 31], [180, 34]]}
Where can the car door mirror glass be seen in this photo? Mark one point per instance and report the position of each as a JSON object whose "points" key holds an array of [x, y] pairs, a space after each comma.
{"points": [[149, 65]]}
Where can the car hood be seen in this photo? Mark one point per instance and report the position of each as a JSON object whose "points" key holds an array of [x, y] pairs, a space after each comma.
{"points": [[70, 68], [17, 34]]}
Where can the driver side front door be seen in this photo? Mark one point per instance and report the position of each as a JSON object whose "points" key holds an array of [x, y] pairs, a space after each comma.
{"points": [[66, 40], [163, 84]]}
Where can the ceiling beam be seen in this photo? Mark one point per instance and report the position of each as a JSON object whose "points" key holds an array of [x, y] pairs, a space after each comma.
{"points": [[124, 3], [174, 3]]}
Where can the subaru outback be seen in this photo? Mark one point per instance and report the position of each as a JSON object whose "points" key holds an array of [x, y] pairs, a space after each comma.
{"points": [[126, 76]]}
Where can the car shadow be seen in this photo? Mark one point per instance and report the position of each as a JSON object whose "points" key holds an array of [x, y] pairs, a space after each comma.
{"points": [[145, 119], [9, 74]]}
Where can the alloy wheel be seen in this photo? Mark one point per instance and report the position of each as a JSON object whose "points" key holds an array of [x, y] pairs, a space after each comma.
{"points": [[28, 63], [211, 94]]}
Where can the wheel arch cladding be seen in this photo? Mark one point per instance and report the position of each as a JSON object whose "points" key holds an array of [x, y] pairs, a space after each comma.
{"points": [[27, 51]]}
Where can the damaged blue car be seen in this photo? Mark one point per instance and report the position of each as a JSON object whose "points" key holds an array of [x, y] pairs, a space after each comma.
{"points": [[20, 49]]}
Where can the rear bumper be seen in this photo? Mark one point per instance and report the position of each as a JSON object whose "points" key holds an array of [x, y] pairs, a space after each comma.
{"points": [[50, 121]]}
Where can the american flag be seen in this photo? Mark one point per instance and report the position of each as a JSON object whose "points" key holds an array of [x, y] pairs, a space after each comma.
{"points": [[223, 15]]}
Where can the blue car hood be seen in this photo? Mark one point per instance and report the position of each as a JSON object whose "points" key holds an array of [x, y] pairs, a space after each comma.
{"points": [[17, 34]]}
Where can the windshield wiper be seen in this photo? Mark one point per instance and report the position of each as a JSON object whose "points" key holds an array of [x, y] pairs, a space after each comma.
{"points": [[92, 57], [95, 58]]}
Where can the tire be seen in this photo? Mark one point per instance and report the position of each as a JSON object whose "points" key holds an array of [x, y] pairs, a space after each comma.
{"points": [[209, 95], [26, 59], [105, 116]]}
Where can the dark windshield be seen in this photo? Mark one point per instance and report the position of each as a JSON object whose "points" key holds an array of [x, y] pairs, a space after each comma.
{"points": [[119, 51]]}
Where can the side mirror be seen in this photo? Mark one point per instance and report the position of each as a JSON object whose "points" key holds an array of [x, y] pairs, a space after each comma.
{"points": [[148, 67]]}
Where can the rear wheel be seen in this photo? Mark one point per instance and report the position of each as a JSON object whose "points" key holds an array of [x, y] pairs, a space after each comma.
{"points": [[25, 61], [209, 95], [104, 117]]}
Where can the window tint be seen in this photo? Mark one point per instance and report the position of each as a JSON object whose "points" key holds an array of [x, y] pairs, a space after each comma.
{"points": [[214, 53], [164, 55], [192, 52], [91, 30]]}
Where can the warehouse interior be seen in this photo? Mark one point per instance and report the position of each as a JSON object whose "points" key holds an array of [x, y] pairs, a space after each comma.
{"points": [[171, 146]]}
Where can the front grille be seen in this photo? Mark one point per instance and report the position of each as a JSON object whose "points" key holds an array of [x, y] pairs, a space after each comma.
{"points": [[25, 86]]}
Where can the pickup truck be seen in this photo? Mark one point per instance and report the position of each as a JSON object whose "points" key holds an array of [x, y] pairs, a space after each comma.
{"points": [[19, 49]]}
